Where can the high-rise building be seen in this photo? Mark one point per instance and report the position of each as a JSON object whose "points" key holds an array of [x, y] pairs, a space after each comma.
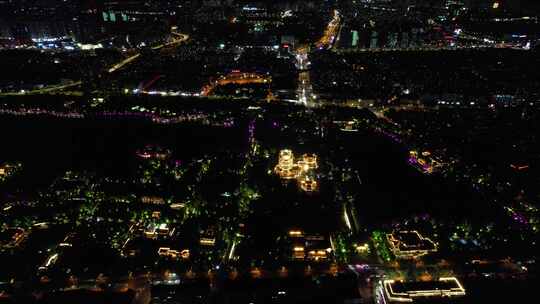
{"points": [[392, 40], [374, 40]]}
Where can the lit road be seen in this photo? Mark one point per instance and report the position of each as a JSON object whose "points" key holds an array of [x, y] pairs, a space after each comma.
{"points": [[304, 90], [235, 77], [124, 62], [331, 32], [180, 38], [47, 89]]}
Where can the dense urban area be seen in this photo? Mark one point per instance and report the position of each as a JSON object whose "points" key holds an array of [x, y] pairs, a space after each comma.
{"points": [[285, 151]]}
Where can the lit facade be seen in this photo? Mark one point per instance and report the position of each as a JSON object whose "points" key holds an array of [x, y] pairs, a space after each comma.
{"points": [[409, 292], [309, 247], [301, 169], [410, 244], [173, 254]]}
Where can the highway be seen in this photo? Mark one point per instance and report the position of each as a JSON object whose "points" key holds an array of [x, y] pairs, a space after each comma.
{"points": [[124, 62], [180, 38], [47, 89]]}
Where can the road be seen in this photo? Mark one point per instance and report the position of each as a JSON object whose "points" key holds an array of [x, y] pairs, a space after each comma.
{"points": [[123, 63], [180, 38], [235, 77], [47, 89], [330, 35], [304, 90]]}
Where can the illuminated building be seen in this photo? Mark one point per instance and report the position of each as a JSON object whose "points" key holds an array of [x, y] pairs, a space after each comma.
{"points": [[347, 126], [286, 158], [318, 255], [444, 288], [154, 231], [308, 162], [130, 11], [425, 161], [156, 200], [174, 254], [363, 248], [177, 206], [374, 39], [286, 167], [410, 244], [9, 169], [207, 241], [309, 247], [296, 233], [153, 152], [208, 237], [300, 170], [298, 253], [308, 185]]}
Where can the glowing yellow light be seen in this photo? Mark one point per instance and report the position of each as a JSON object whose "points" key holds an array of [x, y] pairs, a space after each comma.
{"points": [[495, 5], [362, 248], [207, 242], [177, 206], [163, 250], [295, 233], [52, 259], [347, 221]]}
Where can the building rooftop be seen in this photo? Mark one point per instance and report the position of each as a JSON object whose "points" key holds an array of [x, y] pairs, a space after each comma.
{"points": [[410, 244], [400, 291]]}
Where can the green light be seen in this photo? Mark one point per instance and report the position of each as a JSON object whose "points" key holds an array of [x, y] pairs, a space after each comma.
{"points": [[355, 38]]}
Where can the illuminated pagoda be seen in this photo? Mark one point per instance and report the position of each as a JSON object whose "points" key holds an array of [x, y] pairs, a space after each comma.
{"points": [[301, 170]]}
